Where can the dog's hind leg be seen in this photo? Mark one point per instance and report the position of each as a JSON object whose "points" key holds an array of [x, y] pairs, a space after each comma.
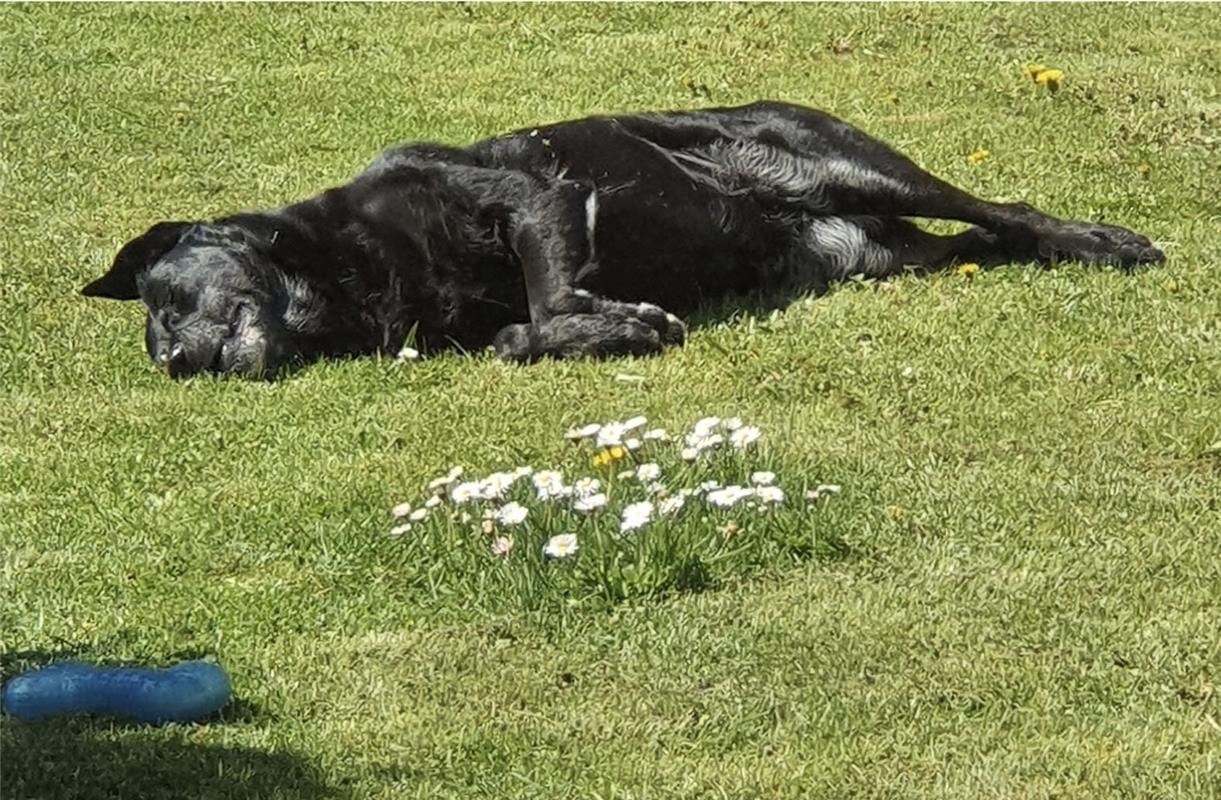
{"points": [[828, 167], [835, 248]]}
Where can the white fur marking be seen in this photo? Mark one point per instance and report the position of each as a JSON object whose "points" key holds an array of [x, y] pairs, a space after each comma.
{"points": [[591, 213], [846, 247], [753, 164]]}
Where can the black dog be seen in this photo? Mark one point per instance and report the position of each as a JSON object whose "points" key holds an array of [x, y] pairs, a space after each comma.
{"points": [[566, 240]]}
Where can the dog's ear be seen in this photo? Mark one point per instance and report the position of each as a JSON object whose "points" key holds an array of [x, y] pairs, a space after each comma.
{"points": [[119, 282]]}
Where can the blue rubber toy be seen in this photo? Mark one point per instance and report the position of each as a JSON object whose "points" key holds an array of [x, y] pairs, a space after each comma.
{"points": [[180, 693]]}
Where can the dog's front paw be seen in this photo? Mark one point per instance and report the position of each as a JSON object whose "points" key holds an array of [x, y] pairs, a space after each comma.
{"points": [[516, 343], [670, 329], [1094, 243], [578, 336]]}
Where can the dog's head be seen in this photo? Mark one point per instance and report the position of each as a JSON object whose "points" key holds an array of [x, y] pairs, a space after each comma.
{"points": [[217, 301]]}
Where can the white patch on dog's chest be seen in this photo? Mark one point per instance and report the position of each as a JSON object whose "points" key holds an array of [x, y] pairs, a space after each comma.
{"points": [[591, 213]]}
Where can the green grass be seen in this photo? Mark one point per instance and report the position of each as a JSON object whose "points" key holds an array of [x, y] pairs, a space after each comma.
{"points": [[1024, 599]]}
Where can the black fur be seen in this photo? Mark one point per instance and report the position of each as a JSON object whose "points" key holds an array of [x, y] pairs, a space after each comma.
{"points": [[566, 240]]}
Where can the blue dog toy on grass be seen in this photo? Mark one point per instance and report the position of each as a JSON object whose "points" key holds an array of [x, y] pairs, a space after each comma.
{"points": [[180, 693]]}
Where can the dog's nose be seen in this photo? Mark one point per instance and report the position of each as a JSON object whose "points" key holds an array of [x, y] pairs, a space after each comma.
{"points": [[177, 363]]}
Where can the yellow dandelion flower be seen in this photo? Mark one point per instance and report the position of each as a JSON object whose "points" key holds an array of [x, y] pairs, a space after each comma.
{"points": [[1032, 70], [978, 157], [1049, 78], [968, 270], [610, 455]]}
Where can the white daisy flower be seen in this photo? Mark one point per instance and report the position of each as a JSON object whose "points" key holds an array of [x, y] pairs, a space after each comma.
{"points": [[770, 494], [705, 426], [502, 546], [433, 501], [418, 515], [523, 472], [732, 424], [634, 423], [445, 480], [820, 491], [549, 484], [632, 444], [589, 431], [762, 478], [671, 505], [702, 442], [589, 503], [511, 514], [407, 354], [586, 487], [399, 530], [465, 492], [610, 435], [656, 487], [547, 477], [561, 546], [496, 485], [729, 496], [401, 510], [707, 486], [689, 454], [648, 472], [744, 436], [656, 435], [636, 515]]}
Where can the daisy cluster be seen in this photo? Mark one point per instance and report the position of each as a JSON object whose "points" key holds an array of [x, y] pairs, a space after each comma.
{"points": [[628, 454]]}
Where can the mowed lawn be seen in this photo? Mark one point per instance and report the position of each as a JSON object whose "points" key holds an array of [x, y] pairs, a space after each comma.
{"points": [[1016, 595]]}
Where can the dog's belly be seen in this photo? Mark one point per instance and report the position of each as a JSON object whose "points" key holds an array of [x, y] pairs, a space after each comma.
{"points": [[662, 232], [676, 217], [673, 247]]}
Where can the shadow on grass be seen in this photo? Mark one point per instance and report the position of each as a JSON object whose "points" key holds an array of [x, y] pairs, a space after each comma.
{"points": [[83, 759]]}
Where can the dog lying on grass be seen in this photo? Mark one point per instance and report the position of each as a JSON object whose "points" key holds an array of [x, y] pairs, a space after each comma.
{"points": [[582, 238]]}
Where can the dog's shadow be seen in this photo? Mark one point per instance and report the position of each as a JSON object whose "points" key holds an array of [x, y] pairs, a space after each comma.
{"points": [[756, 305]]}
